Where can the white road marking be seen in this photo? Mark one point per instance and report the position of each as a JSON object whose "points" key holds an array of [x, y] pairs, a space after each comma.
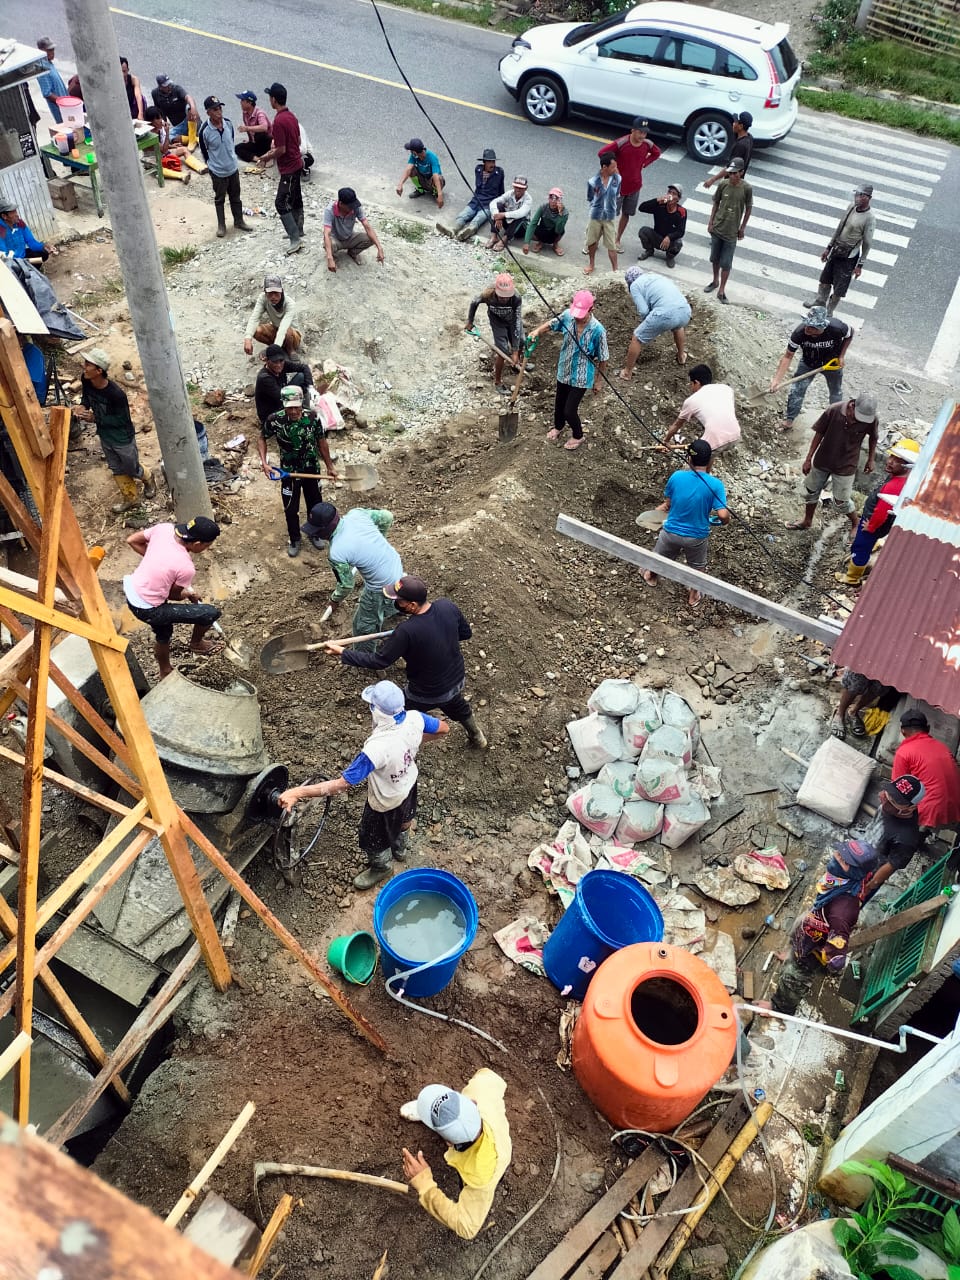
{"points": [[862, 144], [850, 171], [817, 125], [946, 346], [840, 205], [791, 168]]}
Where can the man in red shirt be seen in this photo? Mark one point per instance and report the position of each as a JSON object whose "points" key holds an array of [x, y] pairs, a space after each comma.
{"points": [[285, 149], [931, 762], [633, 153]]}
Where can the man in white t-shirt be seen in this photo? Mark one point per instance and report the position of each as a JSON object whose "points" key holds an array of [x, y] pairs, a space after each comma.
{"points": [[711, 405], [388, 763]]}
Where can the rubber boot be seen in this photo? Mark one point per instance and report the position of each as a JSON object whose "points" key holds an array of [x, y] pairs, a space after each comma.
{"points": [[129, 494], [475, 734], [236, 208], [833, 303], [375, 873], [148, 482], [853, 575], [818, 301], [298, 216], [289, 223], [221, 223], [402, 847]]}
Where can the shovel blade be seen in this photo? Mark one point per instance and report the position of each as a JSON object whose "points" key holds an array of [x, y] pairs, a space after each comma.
{"points": [[285, 653], [360, 476], [756, 393], [507, 426]]}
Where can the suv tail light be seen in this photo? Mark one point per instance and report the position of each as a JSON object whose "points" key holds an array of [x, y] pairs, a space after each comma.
{"points": [[773, 96]]}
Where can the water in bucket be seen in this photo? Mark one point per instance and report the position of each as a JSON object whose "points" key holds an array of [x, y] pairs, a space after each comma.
{"points": [[423, 926]]}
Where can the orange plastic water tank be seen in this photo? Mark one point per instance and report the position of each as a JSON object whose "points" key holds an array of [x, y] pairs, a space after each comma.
{"points": [[656, 1032]]}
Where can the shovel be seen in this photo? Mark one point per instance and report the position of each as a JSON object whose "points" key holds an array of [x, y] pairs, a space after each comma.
{"points": [[236, 651], [360, 476], [510, 417], [757, 393], [504, 355], [291, 652]]}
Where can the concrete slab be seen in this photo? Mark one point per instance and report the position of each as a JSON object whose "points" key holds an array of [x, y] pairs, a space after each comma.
{"points": [[222, 1231]]}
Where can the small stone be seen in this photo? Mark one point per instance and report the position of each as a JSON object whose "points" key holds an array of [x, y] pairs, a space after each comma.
{"points": [[374, 446], [642, 659], [537, 691], [592, 1180], [660, 652], [129, 377], [215, 398], [128, 364]]}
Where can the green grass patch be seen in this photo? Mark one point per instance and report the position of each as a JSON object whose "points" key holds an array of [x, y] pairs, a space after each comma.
{"points": [[477, 15], [412, 232], [177, 255], [897, 115], [110, 290], [881, 64]]}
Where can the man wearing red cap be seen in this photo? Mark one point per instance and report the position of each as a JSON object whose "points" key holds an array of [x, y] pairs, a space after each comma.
{"points": [[504, 311], [895, 829]]}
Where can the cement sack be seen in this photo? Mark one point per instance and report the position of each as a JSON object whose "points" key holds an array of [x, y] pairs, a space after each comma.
{"points": [[681, 821], [614, 698], [670, 743], [596, 740], [662, 780], [597, 807], [680, 715], [835, 782], [621, 775], [640, 821], [638, 726]]}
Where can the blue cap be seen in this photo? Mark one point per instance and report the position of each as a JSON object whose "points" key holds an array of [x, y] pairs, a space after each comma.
{"points": [[247, 96], [385, 696]]}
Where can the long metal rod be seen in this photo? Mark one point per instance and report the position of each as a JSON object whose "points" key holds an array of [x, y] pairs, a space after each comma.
{"points": [[829, 1030]]}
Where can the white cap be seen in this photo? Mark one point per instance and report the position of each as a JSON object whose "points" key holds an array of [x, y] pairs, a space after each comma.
{"points": [[453, 1115]]}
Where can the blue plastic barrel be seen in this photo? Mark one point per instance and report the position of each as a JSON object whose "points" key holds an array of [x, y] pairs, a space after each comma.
{"points": [[423, 880], [610, 910]]}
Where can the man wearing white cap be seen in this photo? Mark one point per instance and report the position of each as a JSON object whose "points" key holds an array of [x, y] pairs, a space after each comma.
{"points": [[474, 1125], [388, 764], [509, 214], [847, 251]]}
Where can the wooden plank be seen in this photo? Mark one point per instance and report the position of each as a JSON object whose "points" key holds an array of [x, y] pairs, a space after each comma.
{"points": [[270, 1232], [64, 621], [655, 1234], [24, 521], [759, 606], [48, 1199], [584, 1233], [902, 920], [83, 793], [11, 660], [748, 984], [28, 586], [216, 1158], [14, 1051], [598, 1260], [150, 1019]]}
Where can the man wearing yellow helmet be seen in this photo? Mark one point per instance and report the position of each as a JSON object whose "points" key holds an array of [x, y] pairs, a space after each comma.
{"points": [[877, 519]]}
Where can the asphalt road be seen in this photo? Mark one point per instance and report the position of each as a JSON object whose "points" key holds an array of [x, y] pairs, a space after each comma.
{"points": [[350, 96]]}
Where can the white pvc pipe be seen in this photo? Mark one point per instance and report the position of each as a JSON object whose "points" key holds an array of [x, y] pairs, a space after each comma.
{"points": [[845, 1035]]}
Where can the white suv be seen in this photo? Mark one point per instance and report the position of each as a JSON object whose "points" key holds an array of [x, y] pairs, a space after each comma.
{"points": [[686, 68]]}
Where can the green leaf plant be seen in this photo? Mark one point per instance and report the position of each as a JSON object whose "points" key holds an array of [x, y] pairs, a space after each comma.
{"points": [[866, 1236]]}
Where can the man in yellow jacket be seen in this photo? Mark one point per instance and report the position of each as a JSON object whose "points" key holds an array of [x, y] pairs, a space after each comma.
{"points": [[474, 1125]]}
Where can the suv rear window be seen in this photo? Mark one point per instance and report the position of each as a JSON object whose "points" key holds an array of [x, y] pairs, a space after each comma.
{"points": [[588, 29], [785, 60]]}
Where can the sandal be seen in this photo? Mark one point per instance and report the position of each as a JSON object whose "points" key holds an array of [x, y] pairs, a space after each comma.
{"points": [[574, 443], [624, 376], [838, 728], [558, 251], [857, 727], [553, 434], [695, 603], [797, 524], [682, 359]]}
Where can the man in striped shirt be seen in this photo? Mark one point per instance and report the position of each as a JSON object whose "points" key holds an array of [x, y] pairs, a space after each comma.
{"points": [[583, 350]]}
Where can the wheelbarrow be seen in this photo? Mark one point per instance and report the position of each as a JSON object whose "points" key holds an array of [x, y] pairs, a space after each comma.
{"points": [[757, 393], [291, 651]]}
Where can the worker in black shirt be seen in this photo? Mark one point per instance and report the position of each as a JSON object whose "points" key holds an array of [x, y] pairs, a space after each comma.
{"points": [[105, 403], [669, 224], [505, 312], [742, 147], [278, 371], [895, 830], [428, 640]]}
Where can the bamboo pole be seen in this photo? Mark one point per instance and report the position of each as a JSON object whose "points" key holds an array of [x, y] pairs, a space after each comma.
{"points": [[267, 1169], [217, 1157], [270, 1232], [14, 1051]]}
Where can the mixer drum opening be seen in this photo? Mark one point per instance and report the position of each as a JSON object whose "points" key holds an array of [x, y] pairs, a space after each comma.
{"points": [[664, 1011]]}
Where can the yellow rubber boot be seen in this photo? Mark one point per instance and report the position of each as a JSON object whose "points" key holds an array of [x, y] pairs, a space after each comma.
{"points": [[129, 494], [148, 482], [853, 576]]}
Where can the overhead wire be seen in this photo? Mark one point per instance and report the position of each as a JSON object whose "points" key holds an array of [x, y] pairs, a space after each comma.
{"points": [[520, 266]]}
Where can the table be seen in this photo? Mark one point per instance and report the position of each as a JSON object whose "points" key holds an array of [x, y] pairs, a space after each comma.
{"points": [[147, 142]]}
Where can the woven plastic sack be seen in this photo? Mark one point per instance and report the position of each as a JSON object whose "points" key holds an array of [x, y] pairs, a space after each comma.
{"points": [[671, 743], [597, 807], [680, 715], [614, 698], [836, 781], [681, 821], [596, 740], [621, 775], [662, 780], [641, 820], [638, 726]]}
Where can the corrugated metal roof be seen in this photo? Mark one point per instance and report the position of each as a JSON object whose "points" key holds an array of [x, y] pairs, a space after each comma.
{"points": [[905, 627]]}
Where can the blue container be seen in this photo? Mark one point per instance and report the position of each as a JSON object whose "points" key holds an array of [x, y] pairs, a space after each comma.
{"points": [[610, 910], [423, 880]]}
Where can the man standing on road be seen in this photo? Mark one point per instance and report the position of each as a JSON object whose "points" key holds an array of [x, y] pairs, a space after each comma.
{"points": [[742, 148], [279, 371], [877, 518], [429, 641], [820, 340], [215, 137], [177, 106], [935, 766], [690, 497], [488, 184], [711, 404], [633, 153], [302, 443], [423, 170], [285, 149], [358, 543], [509, 214], [387, 763], [847, 251], [732, 206], [669, 225], [106, 404], [51, 81], [255, 124], [340, 234], [834, 455], [505, 313]]}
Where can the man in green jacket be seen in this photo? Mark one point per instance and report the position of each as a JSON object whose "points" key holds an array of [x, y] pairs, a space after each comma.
{"points": [[547, 225], [105, 403]]}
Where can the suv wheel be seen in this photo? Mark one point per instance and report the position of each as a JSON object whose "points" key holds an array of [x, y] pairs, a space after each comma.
{"points": [[543, 100], [709, 137]]}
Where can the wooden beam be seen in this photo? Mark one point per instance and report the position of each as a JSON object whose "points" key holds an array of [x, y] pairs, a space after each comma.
{"points": [[25, 522], [284, 934], [215, 1160], [18, 399], [150, 1019], [759, 606], [11, 660], [64, 621], [81, 792], [270, 1232], [902, 920], [14, 1051], [25, 585]]}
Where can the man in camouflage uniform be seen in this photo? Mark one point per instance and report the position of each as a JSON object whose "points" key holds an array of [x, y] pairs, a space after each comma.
{"points": [[302, 443]]}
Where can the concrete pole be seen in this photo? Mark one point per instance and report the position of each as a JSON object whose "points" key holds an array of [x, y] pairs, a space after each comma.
{"points": [[863, 14], [98, 65]]}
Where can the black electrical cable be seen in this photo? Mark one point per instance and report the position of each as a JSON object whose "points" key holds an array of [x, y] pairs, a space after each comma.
{"points": [[519, 265]]}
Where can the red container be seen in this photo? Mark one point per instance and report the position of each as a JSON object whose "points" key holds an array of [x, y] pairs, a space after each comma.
{"points": [[656, 1032]]}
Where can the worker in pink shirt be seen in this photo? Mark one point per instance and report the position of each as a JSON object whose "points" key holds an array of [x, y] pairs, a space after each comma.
{"points": [[634, 153]]}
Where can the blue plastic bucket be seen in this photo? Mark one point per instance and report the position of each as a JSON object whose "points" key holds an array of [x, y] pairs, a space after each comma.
{"points": [[610, 910], [423, 880]]}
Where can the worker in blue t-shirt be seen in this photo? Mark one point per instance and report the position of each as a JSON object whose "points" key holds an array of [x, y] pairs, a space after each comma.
{"points": [[423, 170], [691, 496]]}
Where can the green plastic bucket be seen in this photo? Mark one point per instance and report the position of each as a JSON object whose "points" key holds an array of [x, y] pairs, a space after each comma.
{"points": [[354, 955]]}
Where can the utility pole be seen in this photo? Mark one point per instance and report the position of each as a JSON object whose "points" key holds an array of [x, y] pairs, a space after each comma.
{"points": [[118, 160]]}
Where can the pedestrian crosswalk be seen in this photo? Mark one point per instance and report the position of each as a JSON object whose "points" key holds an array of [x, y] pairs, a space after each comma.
{"points": [[801, 187]]}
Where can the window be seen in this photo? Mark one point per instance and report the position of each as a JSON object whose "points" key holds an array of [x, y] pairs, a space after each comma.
{"points": [[736, 68], [638, 47], [697, 56], [785, 60], [588, 29]]}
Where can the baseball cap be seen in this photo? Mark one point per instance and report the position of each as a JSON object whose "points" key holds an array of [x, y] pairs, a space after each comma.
{"points": [[409, 588], [199, 529], [864, 189], [163, 79], [212, 101], [672, 186], [745, 118], [291, 395], [97, 356], [555, 191], [385, 696], [247, 96], [503, 286], [817, 318], [735, 165], [276, 90], [272, 283], [865, 407], [273, 352], [914, 719], [7, 205], [699, 452], [906, 450], [905, 790], [415, 144], [347, 197], [453, 1115], [520, 181], [632, 273], [321, 519], [488, 154], [582, 304], [857, 853], [638, 122]]}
